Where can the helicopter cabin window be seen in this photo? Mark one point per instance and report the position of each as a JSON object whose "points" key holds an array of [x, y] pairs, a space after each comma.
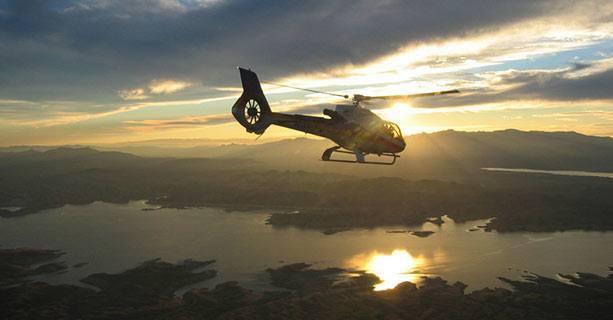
{"points": [[392, 129]]}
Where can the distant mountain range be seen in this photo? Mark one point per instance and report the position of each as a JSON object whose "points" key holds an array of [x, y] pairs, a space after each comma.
{"points": [[441, 154], [514, 149], [440, 174]]}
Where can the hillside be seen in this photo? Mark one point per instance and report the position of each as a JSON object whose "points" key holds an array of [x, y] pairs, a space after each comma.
{"points": [[32, 181], [441, 155], [515, 149]]}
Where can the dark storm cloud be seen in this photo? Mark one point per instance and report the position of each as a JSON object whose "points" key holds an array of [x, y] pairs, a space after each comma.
{"points": [[91, 49]]}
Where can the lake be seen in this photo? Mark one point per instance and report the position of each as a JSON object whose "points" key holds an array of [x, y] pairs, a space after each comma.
{"points": [[557, 172], [114, 237]]}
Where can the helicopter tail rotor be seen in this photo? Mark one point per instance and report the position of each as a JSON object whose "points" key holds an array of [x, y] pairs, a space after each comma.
{"points": [[252, 110]]}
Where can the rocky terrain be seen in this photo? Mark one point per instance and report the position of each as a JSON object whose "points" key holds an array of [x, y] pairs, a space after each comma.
{"points": [[32, 181], [148, 292], [17, 264]]}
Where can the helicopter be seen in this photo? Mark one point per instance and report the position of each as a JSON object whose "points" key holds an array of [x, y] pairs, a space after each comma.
{"points": [[355, 129]]}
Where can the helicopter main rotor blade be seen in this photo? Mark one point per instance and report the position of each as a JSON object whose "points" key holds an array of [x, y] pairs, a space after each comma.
{"points": [[405, 96], [305, 89]]}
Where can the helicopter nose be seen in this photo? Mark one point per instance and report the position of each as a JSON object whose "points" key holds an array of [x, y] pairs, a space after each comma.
{"points": [[400, 145]]}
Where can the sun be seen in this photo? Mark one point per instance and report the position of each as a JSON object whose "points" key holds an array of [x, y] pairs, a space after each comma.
{"points": [[398, 112]]}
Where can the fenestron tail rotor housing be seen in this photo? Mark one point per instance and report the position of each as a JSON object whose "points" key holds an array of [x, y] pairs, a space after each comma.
{"points": [[253, 111]]}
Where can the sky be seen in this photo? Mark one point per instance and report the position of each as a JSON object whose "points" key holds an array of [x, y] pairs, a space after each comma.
{"points": [[109, 71]]}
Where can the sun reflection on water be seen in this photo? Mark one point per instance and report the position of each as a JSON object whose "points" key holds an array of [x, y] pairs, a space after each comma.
{"points": [[393, 268]]}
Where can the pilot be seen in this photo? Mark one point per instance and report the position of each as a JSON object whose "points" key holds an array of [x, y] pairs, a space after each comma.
{"points": [[389, 130]]}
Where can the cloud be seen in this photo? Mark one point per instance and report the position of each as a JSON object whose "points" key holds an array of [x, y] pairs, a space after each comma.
{"points": [[139, 6], [586, 82], [583, 82], [576, 115], [55, 114], [184, 122], [562, 85], [155, 87], [71, 61], [167, 86], [133, 94], [89, 50], [438, 60]]}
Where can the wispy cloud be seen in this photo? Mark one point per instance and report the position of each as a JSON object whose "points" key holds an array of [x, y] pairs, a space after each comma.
{"points": [[447, 58], [168, 86], [140, 6], [63, 118], [155, 87], [183, 122], [133, 94]]}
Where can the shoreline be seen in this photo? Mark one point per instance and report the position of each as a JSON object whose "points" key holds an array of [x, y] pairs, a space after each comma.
{"points": [[327, 220], [148, 290]]}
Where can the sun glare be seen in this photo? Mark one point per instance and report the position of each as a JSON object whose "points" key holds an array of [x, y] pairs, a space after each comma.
{"points": [[394, 268], [398, 112]]}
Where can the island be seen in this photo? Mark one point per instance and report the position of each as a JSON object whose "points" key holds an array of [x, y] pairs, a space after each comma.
{"points": [[34, 181], [422, 234], [148, 291]]}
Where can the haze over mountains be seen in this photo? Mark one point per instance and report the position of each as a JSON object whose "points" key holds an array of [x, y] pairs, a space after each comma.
{"points": [[464, 150], [441, 155], [287, 174]]}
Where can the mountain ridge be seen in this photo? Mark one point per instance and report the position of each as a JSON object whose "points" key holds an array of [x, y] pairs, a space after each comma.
{"points": [[446, 152]]}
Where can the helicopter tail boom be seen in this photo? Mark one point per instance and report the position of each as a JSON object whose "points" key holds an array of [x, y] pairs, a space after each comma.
{"points": [[251, 109], [253, 112]]}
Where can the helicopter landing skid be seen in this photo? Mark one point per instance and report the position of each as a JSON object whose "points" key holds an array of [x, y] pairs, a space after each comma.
{"points": [[327, 156]]}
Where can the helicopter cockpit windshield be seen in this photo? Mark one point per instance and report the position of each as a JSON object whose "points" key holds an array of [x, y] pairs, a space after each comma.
{"points": [[392, 129]]}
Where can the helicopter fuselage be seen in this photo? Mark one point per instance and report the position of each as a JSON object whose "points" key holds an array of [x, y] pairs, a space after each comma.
{"points": [[368, 134], [355, 130]]}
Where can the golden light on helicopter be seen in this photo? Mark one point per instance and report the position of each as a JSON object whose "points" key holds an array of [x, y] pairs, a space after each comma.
{"points": [[401, 114], [392, 269]]}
